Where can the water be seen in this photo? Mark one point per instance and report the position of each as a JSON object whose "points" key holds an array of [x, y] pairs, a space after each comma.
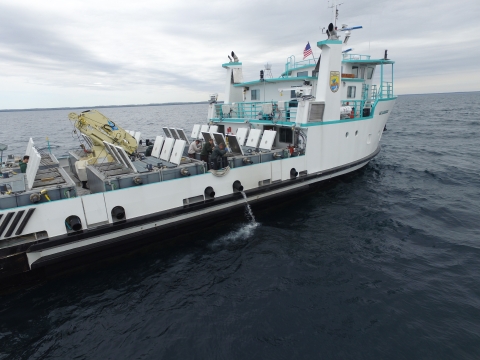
{"points": [[383, 263], [248, 209]]}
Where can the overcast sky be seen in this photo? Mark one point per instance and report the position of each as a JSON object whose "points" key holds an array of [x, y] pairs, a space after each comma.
{"points": [[85, 53]]}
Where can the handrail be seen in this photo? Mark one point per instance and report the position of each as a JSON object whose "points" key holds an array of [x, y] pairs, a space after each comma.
{"points": [[356, 57], [292, 64], [253, 111], [357, 107]]}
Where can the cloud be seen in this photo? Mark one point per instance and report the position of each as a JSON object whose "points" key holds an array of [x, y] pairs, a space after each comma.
{"points": [[149, 51]]}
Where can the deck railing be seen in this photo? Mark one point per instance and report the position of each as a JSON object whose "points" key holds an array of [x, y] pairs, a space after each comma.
{"points": [[355, 57], [357, 107], [254, 111], [292, 64], [387, 90]]}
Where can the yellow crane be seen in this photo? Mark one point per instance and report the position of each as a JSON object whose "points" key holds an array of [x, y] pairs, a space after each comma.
{"points": [[99, 128]]}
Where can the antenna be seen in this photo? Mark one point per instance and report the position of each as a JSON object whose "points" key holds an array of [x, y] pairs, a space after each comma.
{"points": [[335, 12], [268, 70]]}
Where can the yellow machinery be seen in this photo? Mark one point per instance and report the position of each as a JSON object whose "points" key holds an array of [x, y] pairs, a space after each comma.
{"points": [[98, 128]]}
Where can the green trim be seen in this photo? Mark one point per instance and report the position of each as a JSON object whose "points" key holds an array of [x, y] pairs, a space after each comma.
{"points": [[226, 65], [353, 79], [329, 42], [274, 80], [370, 62]]}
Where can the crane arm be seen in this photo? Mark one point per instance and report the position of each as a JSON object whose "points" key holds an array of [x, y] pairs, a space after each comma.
{"points": [[99, 128]]}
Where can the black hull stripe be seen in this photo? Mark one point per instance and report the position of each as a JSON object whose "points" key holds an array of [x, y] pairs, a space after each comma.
{"points": [[25, 221], [14, 223], [5, 222]]}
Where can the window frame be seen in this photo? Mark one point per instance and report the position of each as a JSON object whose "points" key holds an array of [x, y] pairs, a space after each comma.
{"points": [[351, 89], [371, 74], [355, 71]]}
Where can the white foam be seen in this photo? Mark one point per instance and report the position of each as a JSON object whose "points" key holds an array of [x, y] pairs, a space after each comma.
{"points": [[242, 233], [248, 209]]}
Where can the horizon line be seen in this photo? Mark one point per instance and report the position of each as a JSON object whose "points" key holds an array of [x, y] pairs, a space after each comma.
{"points": [[178, 103]]}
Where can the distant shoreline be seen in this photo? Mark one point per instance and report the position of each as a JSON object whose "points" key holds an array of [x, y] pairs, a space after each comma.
{"points": [[178, 103], [107, 106]]}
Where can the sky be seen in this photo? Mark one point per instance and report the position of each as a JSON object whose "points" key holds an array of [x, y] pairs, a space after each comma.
{"points": [[73, 53]]}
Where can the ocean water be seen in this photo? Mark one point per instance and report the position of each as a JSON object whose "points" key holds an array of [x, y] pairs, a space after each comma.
{"points": [[383, 263]]}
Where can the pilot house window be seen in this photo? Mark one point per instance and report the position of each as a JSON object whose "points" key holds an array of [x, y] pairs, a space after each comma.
{"points": [[369, 73], [302, 73], [351, 90], [355, 71], [255, 94]]}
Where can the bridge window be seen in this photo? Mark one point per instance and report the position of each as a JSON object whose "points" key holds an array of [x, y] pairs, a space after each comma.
{"points": [[255, 94], [351, 90], [362, 73], [302, 73], [355, 71], [370, 73]]}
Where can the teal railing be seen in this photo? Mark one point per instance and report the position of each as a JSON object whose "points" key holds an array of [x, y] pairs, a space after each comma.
{"points": [[355, 57], [253, 111], [357, 107], [374, 94], [292, 64], [387, 90]]}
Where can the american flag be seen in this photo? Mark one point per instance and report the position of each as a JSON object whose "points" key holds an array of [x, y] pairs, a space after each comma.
{"points": [[308, 51]]}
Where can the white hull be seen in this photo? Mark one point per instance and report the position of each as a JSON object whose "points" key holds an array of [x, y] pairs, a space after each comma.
{"points": [[54, 253], [329, 123]]}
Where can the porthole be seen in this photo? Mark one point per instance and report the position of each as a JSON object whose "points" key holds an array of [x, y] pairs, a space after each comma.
{"points": [[346, 134], [356, 133]]}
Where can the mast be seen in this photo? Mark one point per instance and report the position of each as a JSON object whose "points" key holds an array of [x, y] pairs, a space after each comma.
{"points": [[334, 8]]}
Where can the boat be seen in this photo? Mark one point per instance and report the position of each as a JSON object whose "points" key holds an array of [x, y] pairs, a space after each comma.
{"points": [[319, 119]]}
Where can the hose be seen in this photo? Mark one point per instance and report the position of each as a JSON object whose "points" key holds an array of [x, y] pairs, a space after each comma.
{"points": [[220, 173]]}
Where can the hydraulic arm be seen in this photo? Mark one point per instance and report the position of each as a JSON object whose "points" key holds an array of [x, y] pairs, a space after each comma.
{"points": [[99, 128]]}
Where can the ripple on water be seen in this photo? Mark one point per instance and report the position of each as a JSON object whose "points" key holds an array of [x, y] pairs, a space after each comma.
{"points": [[382, 263]]}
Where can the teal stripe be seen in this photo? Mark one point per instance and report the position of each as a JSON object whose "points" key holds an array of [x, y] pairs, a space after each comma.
{"points": [[231, 63], [227, 120], [328, 42], [353, 80], [372, 62], [274, 80]]}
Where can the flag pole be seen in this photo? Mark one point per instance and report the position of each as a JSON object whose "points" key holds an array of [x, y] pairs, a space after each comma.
{"points": [[312, 53]]}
